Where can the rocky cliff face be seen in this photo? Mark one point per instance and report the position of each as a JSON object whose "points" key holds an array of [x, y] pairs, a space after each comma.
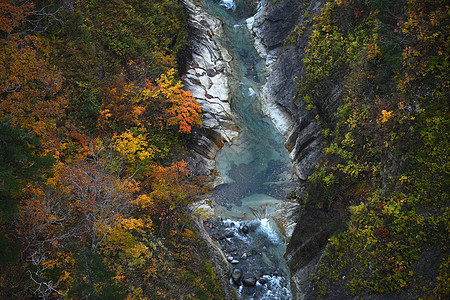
{"points": [[271, 26], [207, 78]]}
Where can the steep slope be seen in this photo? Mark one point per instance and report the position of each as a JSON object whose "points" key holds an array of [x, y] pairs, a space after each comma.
{"points": [[373, 77]]}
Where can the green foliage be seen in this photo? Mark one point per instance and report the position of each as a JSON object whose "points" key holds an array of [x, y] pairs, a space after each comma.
{"points": [[93, 280], [129, 29], [89, 109], [101, 41], [22, 162], [376, 73], [384, 241]]}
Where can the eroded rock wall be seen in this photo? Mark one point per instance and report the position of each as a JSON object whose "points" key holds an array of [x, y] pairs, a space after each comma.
{"points": [[207, 77], [271, 27]]}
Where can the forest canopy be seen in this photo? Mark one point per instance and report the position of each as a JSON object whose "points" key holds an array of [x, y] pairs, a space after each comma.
{"points": [[94, 120], [386, 150]]}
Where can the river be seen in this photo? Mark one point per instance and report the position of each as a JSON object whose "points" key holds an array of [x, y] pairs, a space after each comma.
{"points": [[255, 168]]}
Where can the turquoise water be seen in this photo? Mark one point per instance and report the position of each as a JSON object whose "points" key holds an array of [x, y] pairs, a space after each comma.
{"points": [[256, 168]]}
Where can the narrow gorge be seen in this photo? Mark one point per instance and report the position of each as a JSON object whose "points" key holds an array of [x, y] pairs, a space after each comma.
{"points": [[255, 142], [225, 149]]}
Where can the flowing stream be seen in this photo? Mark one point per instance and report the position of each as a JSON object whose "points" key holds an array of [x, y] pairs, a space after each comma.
{"points": [[256, 168]]}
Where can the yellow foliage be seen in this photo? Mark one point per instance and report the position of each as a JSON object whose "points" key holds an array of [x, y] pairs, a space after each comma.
{"points": [[134, 146], [132, 223], [64, 276], [153, 245], [141, 225], [385, 116], [183, 111], [30, 87], [373, 50], [139, 250], [143, 201], [136, 293], [105, 114]]}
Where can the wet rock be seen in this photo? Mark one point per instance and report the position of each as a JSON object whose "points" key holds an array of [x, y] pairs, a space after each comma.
{"points": [[286, 215], [251, 281], [207, 77], [211, 72], [307, 244], [234, 261], [275, 22], [236, 275], [205, 24], [262, 280], [270, 27], [244, 229], [230, 258], [230, 235], [244, 256]]}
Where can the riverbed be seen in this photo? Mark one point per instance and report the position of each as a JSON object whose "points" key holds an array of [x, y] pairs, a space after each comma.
{"points": [[255, 168]]}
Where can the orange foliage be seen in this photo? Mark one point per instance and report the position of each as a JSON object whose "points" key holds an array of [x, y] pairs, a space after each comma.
{"points": [[182, 108], [12, 14], [30, 86], [84, 150], [43, 226], [162, 104], [123, 106], [171, 193], [39, 216]]}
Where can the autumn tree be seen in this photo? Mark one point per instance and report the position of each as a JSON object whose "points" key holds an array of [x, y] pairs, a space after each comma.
{"points": [[46, 223], [29, 84], [13, 14], [160, 104], [62, 225], [171, 192], [99, 198], [93, 227], [180, 108], [23, 164], [385, 151]]}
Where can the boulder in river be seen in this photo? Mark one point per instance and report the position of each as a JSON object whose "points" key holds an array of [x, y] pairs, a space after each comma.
{"points": [[262, 280], [236, 275], [244, 229], [250, 281]]}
